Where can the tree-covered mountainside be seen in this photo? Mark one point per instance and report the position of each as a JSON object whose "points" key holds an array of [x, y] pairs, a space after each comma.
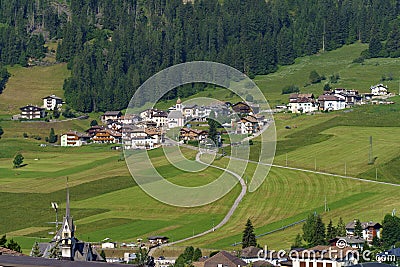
{"points": [[114, 45], [24, 25]]}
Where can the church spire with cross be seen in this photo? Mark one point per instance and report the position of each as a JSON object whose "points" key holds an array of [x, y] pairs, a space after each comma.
{"points": [[67, 230]]}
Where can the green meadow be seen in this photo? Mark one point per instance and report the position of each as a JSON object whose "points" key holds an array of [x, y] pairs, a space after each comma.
{"points": [[106, 202]]}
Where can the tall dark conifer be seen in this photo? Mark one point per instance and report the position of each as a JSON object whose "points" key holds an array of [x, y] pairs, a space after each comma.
{"points": [[249, 238]]}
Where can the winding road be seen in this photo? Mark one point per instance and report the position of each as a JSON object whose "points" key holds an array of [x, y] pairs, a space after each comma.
{"points": [[244, 190], [227, 216]]}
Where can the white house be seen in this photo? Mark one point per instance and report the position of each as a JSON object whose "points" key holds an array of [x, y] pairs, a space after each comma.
{"points": [[73, 138], [325, 256], [302, 103], [175, 119], [164, 262], [31, 112], [111, 116], [379, 90], [128, 119], [248, 125], [350, 241], [189, 111], [331, 102], [142, 138], [128, 257], [159, 117], [351, 97], [52, 102], [109, 245]]}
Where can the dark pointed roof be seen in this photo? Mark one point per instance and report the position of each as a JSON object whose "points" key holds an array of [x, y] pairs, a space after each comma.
{"points": [[224, 258], [250, 252]]}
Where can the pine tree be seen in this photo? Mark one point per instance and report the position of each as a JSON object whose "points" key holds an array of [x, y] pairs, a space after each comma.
{"points": [[393, 42], [55, 252], [36, 250], [341, 228], [3, 241], [375, 47], [103, 255], [52, 136], [376, 242], [188, 254], [197, 254], [1, 131], [13, 245], [330, 231], [319, 237], [249, 238], [358, 228], [93, 123], [314, 77], [391, 230], [308, 229], [298, 242], [286, 52], [314, 230], [212, 128]]}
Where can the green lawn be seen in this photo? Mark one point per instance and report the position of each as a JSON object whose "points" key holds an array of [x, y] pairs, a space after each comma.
{"points": [[289, 196]]}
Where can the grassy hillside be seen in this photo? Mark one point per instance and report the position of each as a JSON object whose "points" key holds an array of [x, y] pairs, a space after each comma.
{"points": [[359, 76], [289, 196], [30, 85], [106, 202]]}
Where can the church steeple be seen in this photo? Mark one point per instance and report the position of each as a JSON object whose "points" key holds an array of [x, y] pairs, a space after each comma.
{"points": [[67, 213], [67, 231], [178, 105]]}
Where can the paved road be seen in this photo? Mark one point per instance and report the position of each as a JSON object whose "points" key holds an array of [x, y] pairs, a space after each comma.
{"points": [[316, 172], [227, 216]]}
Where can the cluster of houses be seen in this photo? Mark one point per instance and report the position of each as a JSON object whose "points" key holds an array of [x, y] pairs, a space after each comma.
{"points": [[334, 254], [336, 99], [348, 253], [147, 129], [31, 112]]}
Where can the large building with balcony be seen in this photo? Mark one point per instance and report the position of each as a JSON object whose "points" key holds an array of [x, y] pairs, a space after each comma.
{"points": [[31, 112]]}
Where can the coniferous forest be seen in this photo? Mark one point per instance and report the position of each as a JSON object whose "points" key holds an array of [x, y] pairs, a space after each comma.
{"points": [[112, 46]]}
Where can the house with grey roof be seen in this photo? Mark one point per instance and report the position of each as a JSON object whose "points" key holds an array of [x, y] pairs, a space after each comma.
{"points": [[175, 119], [221, 259], [370, 230]]}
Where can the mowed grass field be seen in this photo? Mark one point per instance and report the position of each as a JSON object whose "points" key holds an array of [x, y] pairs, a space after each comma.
{"points": [[106, 202], [289, 196]]}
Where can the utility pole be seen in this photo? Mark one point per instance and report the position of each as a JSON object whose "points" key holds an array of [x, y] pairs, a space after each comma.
{"points": [[370, 160], [315, 163], [345, 169], [326, 205]]}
